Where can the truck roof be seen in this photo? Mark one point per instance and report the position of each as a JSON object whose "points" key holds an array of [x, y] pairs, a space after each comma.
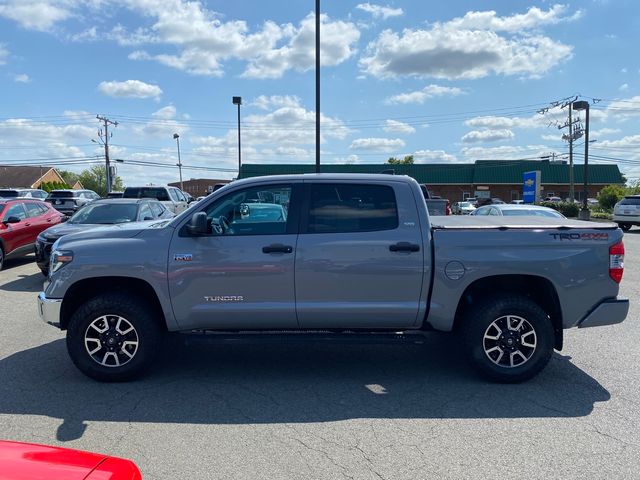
{"points": [[379, 177]]}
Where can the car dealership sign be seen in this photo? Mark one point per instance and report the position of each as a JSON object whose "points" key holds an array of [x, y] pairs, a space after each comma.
{"points": [[531, 187]]}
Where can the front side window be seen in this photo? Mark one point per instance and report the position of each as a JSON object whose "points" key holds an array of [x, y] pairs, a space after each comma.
{"points": [[174, 195], [342, 208], [16, 210], [261, 210]]}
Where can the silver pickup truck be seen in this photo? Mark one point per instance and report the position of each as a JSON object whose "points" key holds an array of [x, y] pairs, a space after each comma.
{"points": [[332, 255]]}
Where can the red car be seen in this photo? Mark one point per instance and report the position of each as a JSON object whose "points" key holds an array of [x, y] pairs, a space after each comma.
{"points": [[21, 220], [26, 461]]}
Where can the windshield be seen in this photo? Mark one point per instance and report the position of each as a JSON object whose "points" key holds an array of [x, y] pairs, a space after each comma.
{"points": [[106, 214], [531, 212], [61, 194], [147, 192], [9, 193]]}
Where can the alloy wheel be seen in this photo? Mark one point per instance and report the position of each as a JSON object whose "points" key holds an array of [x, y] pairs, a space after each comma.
{"points": [[510, 341], [111, 341]]}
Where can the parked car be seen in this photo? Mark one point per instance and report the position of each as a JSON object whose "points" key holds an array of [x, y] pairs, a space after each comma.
{"points": [[22, 221], [626, 212], [462, 208], [435, 204], [356, 256], [28, 461], [509, 210], [23, 193], [553, 199], [114, 195], [108, 211], [592, 201], [171, 197], [69, 201], [517, 202], [488, 201]]}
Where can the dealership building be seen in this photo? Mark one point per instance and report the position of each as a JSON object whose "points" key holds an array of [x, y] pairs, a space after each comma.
{"points": [[484, 178]]}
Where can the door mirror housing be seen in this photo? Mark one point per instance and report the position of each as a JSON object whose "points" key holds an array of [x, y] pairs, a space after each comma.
{"points": [[198, 224], [11, 219], [64, 218]]}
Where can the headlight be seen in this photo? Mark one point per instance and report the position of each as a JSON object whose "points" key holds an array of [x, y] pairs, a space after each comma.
{"points": [[60, 258]]}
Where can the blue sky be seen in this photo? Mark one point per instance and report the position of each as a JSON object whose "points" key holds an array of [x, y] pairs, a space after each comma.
{"points": [[444, 81]]}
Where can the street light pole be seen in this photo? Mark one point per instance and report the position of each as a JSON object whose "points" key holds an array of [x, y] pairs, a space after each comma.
{"points": [[179, 164], [317, 86], [238, 101], [584, 212]]}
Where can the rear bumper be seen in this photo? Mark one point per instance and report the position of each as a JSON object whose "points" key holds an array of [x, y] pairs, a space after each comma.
{"points": [[49, 309], [608, 312], [635, 219]]}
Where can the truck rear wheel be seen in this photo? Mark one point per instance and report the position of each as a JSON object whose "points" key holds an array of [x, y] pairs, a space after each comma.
{"points": [[508, 339], [113, 337]]}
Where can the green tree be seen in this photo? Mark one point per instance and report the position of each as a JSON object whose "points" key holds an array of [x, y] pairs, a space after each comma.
{"points": [[70, 178], [94, 179], [407, 160], [633, 188], [610, 195]]}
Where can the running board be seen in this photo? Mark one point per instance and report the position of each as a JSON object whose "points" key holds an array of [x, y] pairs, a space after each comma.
{"points": [[291, 336]]}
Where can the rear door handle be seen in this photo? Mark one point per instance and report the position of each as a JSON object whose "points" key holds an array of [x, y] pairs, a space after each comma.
{"points": [[277, 248], [404, 247]]}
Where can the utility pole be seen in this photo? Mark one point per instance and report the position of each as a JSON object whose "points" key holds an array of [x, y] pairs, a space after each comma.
{"points": [[179, 164], [317, 86], [104, 136]]}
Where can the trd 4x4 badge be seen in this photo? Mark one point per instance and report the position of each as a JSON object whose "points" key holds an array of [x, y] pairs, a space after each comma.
{"points": [[183, 257]]}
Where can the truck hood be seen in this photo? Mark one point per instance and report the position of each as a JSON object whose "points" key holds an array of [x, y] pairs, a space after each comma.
{"points": [[122, 230]]}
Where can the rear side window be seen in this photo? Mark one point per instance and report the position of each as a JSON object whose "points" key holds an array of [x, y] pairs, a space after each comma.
{"points": [[33, 209], [158, 193], [157, 209], [343, 208], [174, 195], [625, 201], [9, 193]]}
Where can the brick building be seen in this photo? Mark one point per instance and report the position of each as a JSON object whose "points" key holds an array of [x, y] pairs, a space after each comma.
{"points": [[27, 177], [484, 178], [198, 187]]}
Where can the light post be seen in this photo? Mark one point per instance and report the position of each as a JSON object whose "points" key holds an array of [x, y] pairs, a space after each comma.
{"points": [[179, 164], [238, 101], [584, 212]]}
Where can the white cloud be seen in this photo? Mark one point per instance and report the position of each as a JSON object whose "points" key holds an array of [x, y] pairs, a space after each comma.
{"points": [[165, 113], [383, 145], [624, 142], [130, 89], [470, 47], [602, 132], [623, 70], [622, 109], [266, 102], [434, 156], [21, 78], [476, 136], [624, 87], [4, 54], [420, 96], [394, 126], [36, 15], [379, 11], [506, 152]]}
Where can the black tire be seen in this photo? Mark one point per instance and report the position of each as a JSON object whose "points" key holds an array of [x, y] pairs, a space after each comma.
{"points": [[480, 336], [45, 271], [1, 257], [625, 227], [108, 308]]}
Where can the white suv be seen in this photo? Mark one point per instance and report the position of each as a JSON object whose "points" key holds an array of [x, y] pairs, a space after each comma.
{"points": [[627, 212], [171, 197]]}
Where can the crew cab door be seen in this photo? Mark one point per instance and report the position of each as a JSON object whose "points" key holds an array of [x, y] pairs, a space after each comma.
{"points": [[360, 257], [240, 275]]}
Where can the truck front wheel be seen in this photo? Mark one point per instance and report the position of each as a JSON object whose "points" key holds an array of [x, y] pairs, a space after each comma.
{"points": [[508, 339], [113, 337]]}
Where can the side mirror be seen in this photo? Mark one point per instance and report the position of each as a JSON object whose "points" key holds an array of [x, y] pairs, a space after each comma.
{"points": [[198, 224], [64, 218], [11, 219], [147, 218]]}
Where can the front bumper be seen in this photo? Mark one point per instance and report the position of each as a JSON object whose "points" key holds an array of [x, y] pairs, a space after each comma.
{"points": [[43, 254], [49, 309], [608, 312]]}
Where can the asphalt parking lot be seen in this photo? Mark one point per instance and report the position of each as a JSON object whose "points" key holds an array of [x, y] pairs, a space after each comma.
{"points": [[330, 411]]}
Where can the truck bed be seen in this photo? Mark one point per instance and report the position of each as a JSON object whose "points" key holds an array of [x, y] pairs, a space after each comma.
{"points": [[464, 222]]}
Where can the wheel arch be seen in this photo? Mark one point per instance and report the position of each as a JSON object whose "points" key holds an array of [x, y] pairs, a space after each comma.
{"points": [[541, 290], [83, 290]]}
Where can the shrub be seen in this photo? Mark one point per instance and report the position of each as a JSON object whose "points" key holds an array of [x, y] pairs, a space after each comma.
{"points": [[610, 195], [568, 209]]}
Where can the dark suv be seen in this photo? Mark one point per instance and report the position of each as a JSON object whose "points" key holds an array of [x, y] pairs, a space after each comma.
{"points": [[68, 201], [23, 193]]}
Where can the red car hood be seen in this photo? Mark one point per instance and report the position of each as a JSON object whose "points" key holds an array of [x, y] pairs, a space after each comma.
{"points": [[26, 461]]}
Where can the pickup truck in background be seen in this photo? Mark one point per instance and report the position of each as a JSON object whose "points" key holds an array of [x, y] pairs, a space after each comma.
{"points": [[337, 255], [435, 205]]}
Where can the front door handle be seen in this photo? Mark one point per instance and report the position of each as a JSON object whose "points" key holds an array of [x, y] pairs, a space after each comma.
{"points": [[277, 248], [404, 247]]}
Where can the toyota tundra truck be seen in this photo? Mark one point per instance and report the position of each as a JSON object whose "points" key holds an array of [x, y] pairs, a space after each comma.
{"points": [[338, 256]]}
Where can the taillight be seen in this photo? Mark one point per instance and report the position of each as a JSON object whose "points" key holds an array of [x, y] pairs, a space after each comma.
{"points": [[616, 261], [448, 208]]}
